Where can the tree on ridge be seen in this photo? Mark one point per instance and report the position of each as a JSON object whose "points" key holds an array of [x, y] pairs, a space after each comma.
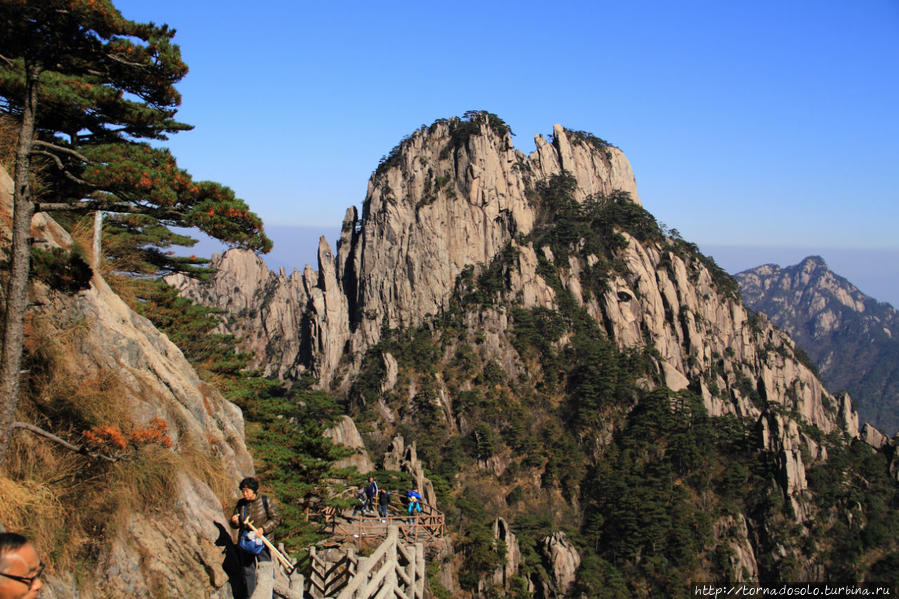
{"points": [[90, 90]]}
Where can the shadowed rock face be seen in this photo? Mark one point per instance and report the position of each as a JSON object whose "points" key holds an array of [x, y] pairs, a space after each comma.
{"points": [[853, 339]]}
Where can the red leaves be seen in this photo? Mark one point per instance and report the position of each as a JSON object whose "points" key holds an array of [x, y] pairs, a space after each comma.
{"points": [[156, 433], [110, 439], [106, 437]]}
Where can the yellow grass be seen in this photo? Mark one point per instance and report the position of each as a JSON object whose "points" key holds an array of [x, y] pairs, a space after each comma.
{"points": [[69, 504]]}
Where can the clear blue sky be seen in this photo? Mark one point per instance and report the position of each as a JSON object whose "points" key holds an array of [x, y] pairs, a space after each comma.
{"points": [[747, 123]]}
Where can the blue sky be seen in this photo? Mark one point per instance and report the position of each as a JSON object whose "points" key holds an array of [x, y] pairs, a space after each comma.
{"points": [[763, 124]]}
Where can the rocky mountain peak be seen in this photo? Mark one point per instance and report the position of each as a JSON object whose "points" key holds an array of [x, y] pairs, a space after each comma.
{"points": [[448, 196], [811, 263], [451, 199], [853, 339], [501, 310]]}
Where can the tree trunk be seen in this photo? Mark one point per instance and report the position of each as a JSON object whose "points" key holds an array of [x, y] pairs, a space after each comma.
{"points": [[17, 286], [97, 241]]}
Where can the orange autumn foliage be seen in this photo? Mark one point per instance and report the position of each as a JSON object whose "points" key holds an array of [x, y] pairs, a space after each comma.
{"points": [[110, 439]]}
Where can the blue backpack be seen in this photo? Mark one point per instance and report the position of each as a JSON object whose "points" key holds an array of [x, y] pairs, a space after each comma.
{"points": [[254, 545]]}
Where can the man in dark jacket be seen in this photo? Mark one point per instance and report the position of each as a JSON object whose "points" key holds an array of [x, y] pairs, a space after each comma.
{"points": [[260, 510], [371, 494], [383, 503]]}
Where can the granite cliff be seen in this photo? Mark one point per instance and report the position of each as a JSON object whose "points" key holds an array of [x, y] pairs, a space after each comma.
{"points": [[852, 338], [443, 202], [449, 196]]}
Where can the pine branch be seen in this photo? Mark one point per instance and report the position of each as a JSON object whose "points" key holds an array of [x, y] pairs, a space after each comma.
{"points": [[77, 155], [126, 62], [119, 207], [62, 167], [48, 435]]}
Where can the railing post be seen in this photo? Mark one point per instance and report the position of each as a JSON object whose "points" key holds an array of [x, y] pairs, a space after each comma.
{"points": [[392, 564], [410, 569], [419, 591]]}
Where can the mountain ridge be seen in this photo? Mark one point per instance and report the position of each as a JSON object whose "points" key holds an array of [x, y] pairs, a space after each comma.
{"points": [[529, 336], [316, 320], [852, 337]]}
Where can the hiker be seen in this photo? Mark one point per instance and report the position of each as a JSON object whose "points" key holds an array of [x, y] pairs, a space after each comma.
{"points": [[361, 500], [20, 568], [414, 502], [383, 503], [371, 493], [261, 512]]}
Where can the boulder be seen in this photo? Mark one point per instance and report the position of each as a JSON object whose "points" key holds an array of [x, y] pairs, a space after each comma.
{"points": [[344, 433]]}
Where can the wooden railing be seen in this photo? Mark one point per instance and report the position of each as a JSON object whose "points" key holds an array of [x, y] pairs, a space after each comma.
{"points": [[393, 570], [425, 527]]}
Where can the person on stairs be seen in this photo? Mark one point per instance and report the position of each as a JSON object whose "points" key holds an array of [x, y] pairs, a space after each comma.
{"points": [[383, 503], [262, 513], [371, 494]]}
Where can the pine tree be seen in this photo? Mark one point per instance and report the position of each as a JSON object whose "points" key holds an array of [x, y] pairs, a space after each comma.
{"points": [[90, 89]]}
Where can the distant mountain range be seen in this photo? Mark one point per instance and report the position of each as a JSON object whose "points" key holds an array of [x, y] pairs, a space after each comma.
{"points": [[853, 338]]}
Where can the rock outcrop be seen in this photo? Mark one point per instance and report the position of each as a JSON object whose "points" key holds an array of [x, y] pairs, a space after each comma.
{"points": [[403, 458], [562, 560], [852, 338], [345, 434], [439, 205], [152, 380], [732, 532], [512, 557]]}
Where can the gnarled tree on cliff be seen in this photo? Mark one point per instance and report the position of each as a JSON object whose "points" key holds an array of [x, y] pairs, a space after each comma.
{"points": [[89, 89]]}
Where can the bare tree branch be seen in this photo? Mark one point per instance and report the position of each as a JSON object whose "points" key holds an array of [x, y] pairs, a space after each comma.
{"points": [[48, 435], [62, 167], [120, 207], [70, 207], [77, 155], [126, 62], [7, 60]]}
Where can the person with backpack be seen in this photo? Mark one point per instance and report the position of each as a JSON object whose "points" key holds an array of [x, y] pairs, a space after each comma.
{"points": [[414, 503], [255, 557]]}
